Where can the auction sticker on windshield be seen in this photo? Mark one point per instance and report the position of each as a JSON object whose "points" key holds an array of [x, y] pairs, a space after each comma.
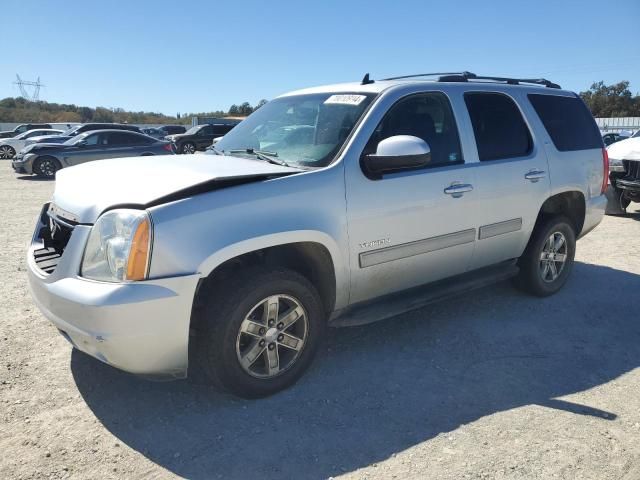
{"points": [[345, 99]]}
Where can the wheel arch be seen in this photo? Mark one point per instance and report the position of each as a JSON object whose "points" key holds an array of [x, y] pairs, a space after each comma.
{"points": [[570, 203], [312, 254]]}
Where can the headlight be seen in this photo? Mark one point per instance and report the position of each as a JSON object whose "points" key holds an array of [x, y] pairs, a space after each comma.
{"points": [[119, 247], [615, 165]]}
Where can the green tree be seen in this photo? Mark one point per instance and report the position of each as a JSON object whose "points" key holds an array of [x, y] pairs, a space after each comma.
{"points": [[234, 109], [261, 103], [611, 100]]}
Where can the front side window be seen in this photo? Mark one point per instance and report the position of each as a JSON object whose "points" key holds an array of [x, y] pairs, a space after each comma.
{"points": [[427, 116], [304, 130], [498, 126], [90, 139]]}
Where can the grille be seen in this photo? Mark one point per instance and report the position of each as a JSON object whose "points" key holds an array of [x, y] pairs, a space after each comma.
{"points": [[632, 169], [55, 234], [47, 259]]}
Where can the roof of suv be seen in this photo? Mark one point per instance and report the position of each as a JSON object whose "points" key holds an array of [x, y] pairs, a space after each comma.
{"points": [[378, 86]]}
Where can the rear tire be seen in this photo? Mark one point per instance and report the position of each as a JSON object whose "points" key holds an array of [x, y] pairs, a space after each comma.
{"points": [[259, 331], [188, 148], [547, 261], [46, 167]]}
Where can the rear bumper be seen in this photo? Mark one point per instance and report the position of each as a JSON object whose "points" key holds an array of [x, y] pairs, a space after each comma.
{"points": [[594, 213], [138, 327]]}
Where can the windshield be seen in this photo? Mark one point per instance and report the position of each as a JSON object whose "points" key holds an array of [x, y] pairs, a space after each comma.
{"points": [[636, 135], [303, 130], [77, 138], [71, 132]]}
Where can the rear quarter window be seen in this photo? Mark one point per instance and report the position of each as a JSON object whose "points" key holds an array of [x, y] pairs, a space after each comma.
{"points": [[568, 122]]}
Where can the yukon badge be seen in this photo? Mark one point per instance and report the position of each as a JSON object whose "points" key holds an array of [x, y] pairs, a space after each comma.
{"points": [[376, 243]]}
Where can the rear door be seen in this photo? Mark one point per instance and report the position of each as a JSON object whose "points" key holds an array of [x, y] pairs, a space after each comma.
{"points": [[125, 143], [512, 175]]}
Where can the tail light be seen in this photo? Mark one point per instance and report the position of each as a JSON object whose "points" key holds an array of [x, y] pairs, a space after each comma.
{"points": [[169, 148], [605, 173]]}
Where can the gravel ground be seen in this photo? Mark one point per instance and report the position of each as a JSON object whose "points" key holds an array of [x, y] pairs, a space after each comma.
{"points": [[495, 385]]}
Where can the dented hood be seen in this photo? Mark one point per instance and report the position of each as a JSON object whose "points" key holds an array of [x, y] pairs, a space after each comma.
{"points": [[87, 190], [625, 149]]}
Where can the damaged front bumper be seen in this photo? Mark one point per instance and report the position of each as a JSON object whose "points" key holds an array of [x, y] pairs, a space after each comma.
{"points": [[139, 327]]}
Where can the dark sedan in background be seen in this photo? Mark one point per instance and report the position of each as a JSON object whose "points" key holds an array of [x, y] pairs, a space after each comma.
{"points": [[200, 137], [44, 159], [85, 127]]}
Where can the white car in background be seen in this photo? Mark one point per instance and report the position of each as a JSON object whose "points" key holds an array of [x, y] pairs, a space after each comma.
{"points": [[10, 146], [624, 175]]}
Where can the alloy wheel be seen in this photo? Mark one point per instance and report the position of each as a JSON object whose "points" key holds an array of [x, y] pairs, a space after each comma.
{"points": [[189, 148], [272, 336], [6, 152], [47, 167], [553, 257]]}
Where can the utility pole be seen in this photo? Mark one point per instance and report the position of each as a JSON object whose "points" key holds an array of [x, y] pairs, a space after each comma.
{"points": [[23, 84]]}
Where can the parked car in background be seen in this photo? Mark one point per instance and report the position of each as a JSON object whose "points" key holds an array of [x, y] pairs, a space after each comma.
{"points": [[45, 160], [624, 176], [613, 137], [10, 146], [234, 263], [23, 128], [85, 127], [200, 137]]}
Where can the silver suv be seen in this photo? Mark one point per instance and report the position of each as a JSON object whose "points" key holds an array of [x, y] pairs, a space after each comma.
{"points": [[335, 205]]}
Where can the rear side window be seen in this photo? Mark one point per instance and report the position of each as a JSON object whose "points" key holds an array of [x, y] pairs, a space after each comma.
{"points": [[127, 138], [567, 121], [498, 126]]}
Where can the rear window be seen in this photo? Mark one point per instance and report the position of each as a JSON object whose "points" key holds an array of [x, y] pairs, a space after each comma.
{"points": [[498, 126], [567, 121]]}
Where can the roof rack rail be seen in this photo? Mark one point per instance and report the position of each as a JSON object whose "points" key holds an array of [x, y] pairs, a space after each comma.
{"points": [[466, 76], [428, 75]]}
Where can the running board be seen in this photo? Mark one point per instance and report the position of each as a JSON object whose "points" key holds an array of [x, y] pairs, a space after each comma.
{"points": [[415, 298]]}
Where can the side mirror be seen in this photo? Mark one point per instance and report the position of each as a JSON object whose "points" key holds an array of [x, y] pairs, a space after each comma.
{"points": [[394, 154], [81, 143]]}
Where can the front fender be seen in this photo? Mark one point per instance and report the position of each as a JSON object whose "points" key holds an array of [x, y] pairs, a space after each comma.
{"points": [[283, 238]]}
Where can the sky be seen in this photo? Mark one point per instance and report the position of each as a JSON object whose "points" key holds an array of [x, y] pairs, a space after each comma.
{"points": [[197, 55]]}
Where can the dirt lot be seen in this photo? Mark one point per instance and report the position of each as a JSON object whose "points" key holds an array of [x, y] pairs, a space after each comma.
{"points": [[495, 385]]}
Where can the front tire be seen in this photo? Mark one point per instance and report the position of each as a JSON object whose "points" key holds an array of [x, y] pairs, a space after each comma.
{"points": [[259, 332], [7, 152], [46, 167], [547, 261], [188, 148]]}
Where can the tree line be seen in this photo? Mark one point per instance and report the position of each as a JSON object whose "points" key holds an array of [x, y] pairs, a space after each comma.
{"points": [[612, 100], [20, 110], [603, 100]]}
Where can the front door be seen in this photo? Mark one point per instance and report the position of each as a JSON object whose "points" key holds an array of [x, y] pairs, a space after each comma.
{"points": [[413, 227]]}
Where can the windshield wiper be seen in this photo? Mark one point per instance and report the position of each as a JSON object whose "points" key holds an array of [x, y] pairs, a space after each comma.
{"points": [[262, 155]]}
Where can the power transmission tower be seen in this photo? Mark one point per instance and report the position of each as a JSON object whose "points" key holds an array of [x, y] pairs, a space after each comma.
{"points": [[22, 84]]}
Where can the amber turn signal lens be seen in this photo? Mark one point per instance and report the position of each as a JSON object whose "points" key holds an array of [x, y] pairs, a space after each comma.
{"points": [[139, 253]]}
